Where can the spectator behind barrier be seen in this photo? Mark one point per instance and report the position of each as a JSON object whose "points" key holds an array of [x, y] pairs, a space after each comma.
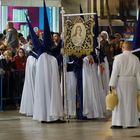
{"points": [[7, 63], [11, 37], [2, 49], [20, 60]]}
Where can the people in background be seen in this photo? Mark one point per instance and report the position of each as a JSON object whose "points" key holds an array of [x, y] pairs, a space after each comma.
{"points": [[11, 37], [56, 49], [1, 36], [40, 34], [104, 56], [104, 44], [2, 49], [7, 63], [19, 74], [57, 45], [20, 60], [27, 45], [111, 52], [22, 41], [8, 66], [117, 49], [19, 35]]}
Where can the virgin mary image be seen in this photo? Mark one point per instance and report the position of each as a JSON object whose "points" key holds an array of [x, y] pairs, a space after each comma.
{"points": [[78, 34]]}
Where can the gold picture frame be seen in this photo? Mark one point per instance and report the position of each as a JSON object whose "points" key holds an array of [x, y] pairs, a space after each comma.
{"points": [[78, 35]]}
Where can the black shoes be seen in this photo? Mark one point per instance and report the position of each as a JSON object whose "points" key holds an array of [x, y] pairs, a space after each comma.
{"points": [[120, 127], [116, 127], [131, 127], [56, 121]]}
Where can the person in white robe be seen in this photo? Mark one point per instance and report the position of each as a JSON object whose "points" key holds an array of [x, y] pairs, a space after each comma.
{"points": [[47, 97], [125, 78], [104, 50], [103, 76], [92, 96], [27, 99], [70, 97], [103, 73], [48, 105]]}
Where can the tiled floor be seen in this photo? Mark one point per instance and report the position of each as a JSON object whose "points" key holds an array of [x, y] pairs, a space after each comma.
{"points": [[13, 126]]}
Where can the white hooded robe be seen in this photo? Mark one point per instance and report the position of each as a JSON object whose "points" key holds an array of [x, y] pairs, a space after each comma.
{"points": [[27, 100], [92, 96], [47, 99]]}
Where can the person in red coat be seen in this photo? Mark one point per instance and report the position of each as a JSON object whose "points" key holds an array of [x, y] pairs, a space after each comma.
{"points": [[20, 62]]}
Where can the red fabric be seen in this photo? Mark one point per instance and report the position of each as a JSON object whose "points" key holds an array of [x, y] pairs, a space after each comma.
{"points": [[102, 68], [20, 63]]}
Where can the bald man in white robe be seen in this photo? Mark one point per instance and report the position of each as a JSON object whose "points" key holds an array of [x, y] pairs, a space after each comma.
{"points": [[125, 78]]}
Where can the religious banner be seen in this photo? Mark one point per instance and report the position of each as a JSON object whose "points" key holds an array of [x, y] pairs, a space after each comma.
{"points": [[78, 35]]}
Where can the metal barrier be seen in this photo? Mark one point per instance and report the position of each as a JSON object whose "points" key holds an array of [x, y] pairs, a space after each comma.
{"points": [[1, 91], [11, 85]]}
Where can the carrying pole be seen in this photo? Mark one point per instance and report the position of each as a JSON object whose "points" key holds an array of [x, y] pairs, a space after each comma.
{"points": [[64, 89]]}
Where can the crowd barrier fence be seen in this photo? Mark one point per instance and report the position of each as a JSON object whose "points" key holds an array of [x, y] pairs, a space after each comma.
{"points": [[11, 85]]}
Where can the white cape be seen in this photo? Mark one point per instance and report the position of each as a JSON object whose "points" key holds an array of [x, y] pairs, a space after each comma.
{"points": [[103, 78], [27, 100], [92, 103], [47, 99], [70, 97]]}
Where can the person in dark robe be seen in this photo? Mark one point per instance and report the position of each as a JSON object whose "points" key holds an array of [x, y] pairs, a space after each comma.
{"points": [[8, 66]]}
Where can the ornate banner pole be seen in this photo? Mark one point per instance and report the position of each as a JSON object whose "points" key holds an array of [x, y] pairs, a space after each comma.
{"points": [[63, 81], [80, 14]]}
